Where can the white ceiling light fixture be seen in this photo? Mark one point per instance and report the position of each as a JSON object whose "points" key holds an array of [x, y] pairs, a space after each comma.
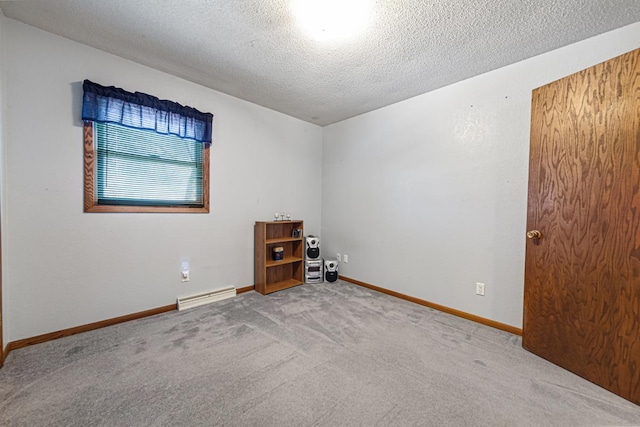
{"points": [[332, 20]]}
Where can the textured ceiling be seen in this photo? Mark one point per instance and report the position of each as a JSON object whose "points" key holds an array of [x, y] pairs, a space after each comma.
{"points": [[253, 49]]}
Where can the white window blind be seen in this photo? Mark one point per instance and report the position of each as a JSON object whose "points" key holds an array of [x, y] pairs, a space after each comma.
{"points": [[143, 167]]}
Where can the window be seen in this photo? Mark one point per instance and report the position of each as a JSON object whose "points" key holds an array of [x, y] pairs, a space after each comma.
{"points": [[140, 157]]}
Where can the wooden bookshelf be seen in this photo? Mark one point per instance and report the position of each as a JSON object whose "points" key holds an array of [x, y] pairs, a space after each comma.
{"points": [[272, 275]]}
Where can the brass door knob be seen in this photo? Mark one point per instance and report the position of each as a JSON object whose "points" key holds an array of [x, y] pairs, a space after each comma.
{"points": [[534, 234]]}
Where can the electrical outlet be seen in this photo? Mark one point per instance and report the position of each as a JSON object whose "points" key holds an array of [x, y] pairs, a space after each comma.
{"points": [[480, 289], [339, 257], [184, 271], [346, 258]]}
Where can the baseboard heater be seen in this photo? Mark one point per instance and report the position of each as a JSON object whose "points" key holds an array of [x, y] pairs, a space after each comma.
{"points": [[206, 298]]}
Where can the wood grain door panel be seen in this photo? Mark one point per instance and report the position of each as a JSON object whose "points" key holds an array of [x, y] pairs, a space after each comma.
{"points": [[582, 290]]}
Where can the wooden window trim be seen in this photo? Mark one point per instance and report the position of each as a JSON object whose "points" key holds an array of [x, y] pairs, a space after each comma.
{"points": [[90, 200]]}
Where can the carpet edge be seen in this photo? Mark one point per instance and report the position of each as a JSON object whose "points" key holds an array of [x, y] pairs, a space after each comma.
{"points": [[38, 339], [444, 309]]}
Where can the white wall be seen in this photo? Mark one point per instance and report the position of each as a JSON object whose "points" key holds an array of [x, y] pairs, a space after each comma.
{"points": [[2, 169], [426, 196], [429, 196], [67, 268]]}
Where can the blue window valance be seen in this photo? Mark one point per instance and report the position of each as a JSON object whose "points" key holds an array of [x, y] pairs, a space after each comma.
{"points": [[109, 104]]}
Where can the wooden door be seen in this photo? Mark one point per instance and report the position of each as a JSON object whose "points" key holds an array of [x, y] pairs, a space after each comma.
{"points": [[582, 273]]}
